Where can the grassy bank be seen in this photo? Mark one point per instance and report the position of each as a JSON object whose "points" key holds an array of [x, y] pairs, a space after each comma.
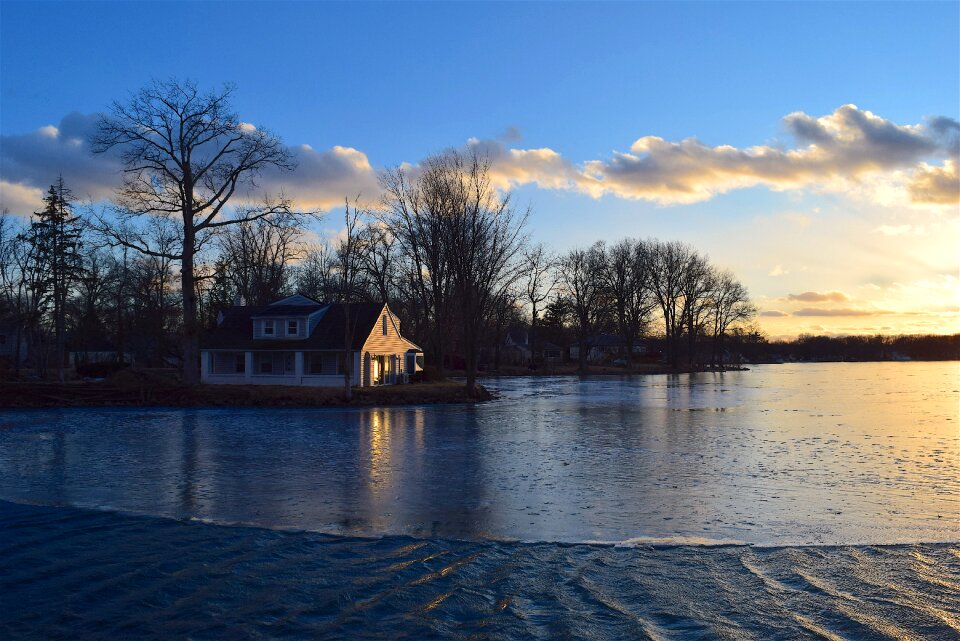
{"points": [[131, 390]]}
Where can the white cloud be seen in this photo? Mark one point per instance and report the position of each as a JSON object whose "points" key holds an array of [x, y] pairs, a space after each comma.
{"points": [[849, 150]]}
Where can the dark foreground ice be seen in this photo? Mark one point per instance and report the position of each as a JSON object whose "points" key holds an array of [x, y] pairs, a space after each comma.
{"points": [[77, 574], [800, 501]]}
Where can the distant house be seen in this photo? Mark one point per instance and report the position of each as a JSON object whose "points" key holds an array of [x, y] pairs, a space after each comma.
{"points": [[604, 346], [518, 351], [299, 341]]}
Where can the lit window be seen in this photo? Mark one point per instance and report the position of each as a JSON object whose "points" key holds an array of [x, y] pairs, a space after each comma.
{"points": [[268, 328], [293, 328]]}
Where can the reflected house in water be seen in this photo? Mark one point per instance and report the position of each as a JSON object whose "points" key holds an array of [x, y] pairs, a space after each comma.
{"points": [[300, 341]]}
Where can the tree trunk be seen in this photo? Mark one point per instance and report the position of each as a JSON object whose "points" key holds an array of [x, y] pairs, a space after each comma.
{"points": [[191, 346], [347, 355], [59, 329], [470, 358]]}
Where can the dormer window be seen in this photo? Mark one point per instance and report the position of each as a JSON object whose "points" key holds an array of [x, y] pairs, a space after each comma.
{"points": [[268, 328], [293, 328]]}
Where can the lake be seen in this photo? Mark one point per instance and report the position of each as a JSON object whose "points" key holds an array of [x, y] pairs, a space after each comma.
{"points": [[787, 483]]}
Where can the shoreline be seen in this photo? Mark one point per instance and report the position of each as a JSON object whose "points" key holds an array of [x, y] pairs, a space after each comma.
{"points": [[147, 393], [143, 388]]}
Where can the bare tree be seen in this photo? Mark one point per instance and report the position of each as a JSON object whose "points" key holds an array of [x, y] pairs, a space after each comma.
{"points": [[186, 156], [415, 213], [380, 260], [257, 256], [581, 272], [351, 253], [667, 263], [697, 284], [729, 306], [316, 273], [538, 281], [626, 280], [484, 236]]}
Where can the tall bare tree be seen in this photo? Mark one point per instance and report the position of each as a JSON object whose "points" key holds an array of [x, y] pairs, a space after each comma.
{"points": [[626, 280], [257, 256], [351, 251], [416, 207], [316, 273], [668, 262], [697, 284], [729, 306], [187, 158], [539, 278], [582, 271], [484, 238]]}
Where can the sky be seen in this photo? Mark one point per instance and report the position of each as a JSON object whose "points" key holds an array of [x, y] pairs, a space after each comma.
{"points": [[812, 148]]}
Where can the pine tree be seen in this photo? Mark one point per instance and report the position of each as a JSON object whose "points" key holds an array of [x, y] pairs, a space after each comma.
{"points": [[56, 234]]}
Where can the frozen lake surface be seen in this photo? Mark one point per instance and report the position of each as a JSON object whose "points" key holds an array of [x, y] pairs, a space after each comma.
{"points": [[806, 454], [833, 490]]}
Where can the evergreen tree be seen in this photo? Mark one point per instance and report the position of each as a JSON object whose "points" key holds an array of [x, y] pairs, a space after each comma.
{"points": [[55, 235]]}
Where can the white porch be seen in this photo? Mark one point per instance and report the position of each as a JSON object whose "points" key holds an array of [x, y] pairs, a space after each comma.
{"points": [[300, 368]]}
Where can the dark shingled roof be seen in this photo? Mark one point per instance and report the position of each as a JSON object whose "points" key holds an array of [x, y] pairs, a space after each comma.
{"points": [[236, 330]]}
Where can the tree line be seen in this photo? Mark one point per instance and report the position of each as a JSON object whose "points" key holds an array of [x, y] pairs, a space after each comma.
{"points": [[186, 237]]}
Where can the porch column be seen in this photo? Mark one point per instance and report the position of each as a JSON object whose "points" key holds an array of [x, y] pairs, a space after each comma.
{"points": [[298, 366], [247, 366]]}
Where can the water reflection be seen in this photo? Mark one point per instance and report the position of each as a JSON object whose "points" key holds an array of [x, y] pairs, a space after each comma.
{"points": [[784, 454]]}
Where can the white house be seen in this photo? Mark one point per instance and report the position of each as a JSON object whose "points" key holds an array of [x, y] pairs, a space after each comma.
{"points": [[299, 341]]}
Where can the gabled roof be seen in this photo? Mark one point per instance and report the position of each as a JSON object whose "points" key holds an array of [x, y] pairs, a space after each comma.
{"points": [[296, 305], [295, 300], [236, 330]]}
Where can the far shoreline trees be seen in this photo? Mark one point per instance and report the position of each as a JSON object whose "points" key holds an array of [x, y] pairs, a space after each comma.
{"points": [[445, 248]]}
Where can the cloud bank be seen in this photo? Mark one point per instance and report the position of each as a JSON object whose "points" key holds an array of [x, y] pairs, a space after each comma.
{"points": [[818, 297], [832, 152], [850, 149]]}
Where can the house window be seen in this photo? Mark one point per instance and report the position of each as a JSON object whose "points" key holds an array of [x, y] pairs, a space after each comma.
{"points": [[240, 363], [266, 366], [268, 328], [293, 328], [383, 324]]}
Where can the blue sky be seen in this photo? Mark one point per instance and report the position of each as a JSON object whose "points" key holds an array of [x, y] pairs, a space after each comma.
{"points": [[398, 81]]}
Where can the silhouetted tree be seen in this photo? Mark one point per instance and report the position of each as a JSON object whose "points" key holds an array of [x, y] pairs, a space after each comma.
{"points": [[539, 278], [729, 305], [581, 272], [55, 239], [187, 156]]}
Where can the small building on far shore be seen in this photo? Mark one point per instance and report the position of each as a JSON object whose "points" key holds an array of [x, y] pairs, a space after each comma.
{"points": [[300, 341]]}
